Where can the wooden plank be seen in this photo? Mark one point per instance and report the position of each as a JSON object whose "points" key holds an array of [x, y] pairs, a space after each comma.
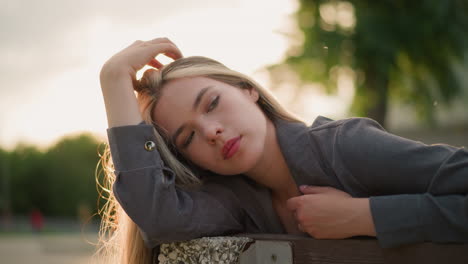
{"points": [[428, 253], [283, 248], [366, 250]]}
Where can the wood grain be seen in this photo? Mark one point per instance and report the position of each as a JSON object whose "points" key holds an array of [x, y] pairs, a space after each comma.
{"points": [[366, 250]]}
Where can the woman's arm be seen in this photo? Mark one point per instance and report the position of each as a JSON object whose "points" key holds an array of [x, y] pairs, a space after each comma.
{"points": [[418, 192], [146, 190], [144, 187]]}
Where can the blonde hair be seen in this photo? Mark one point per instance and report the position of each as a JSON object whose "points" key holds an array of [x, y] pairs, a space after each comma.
{"points": [[119, 236]]}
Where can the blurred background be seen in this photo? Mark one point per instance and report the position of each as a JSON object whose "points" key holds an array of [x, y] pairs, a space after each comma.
{"points": [[403, 63]]}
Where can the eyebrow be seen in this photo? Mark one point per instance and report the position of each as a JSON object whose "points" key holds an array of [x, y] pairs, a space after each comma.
{"points": [[196, 103]]}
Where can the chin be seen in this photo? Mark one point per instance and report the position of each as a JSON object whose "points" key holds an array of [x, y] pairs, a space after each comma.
{"points": [[250, 160], [235, 169], [242, 164]]}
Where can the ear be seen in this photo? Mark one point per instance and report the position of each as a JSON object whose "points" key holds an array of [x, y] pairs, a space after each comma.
{"points": [[252, 93]]}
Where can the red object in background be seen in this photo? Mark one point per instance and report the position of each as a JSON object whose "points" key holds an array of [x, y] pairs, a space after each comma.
{"points": [[37, 220]]}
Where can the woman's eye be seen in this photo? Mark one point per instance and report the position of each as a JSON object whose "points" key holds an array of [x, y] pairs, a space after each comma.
{"points": [[213, 104], [188, 140]]}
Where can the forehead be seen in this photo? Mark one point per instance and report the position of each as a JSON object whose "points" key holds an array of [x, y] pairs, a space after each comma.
{"points": [[184, 88], [176, 101]]}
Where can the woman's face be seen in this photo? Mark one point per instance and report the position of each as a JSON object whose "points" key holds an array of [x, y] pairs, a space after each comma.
{"points": [[217, 126]]}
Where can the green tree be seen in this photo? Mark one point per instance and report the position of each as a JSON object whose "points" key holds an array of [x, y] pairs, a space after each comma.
{"points": [[398, 48], [27, 179], [56, 180], [71, 165]]}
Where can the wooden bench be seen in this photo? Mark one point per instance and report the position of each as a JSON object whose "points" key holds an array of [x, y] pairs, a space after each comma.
{"points": [[291, 249]]}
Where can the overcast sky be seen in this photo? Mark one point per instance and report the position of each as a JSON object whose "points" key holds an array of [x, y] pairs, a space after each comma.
{"points": [[51, 52]]}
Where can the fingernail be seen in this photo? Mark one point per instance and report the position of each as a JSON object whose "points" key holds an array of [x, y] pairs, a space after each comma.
{"points": [[303, 187]]}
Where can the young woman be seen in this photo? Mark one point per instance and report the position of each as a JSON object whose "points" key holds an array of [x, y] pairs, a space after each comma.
{"points": [[205, 151]]}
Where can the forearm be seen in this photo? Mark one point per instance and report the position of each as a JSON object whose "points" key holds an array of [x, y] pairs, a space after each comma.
{"points": [[413, 218], [146, 190], [119, 98], [118, 73]]}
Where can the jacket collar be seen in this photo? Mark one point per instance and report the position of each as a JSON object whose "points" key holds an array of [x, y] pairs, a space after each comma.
{"points": [[299, 150], [292, 140]]}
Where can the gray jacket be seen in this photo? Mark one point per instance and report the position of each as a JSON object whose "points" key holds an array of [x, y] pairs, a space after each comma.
{"points": [[417, 192]]}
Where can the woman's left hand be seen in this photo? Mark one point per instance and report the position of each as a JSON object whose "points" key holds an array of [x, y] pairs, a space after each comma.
{"points": [[325, 212]]}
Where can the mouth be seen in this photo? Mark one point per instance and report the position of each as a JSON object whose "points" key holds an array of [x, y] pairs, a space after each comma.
{"points": [[231, 147]]}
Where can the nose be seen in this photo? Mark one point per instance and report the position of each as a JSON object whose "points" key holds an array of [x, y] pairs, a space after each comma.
{"points": [[212, 132]]}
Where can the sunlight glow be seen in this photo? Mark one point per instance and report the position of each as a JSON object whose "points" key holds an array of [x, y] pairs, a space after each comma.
{"points": [[70, 101], [315, 102], [337, 13]]}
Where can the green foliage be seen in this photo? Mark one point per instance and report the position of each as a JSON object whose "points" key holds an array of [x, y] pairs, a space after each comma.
{"points": [[57, 181], [23, 179], [406, 49]]}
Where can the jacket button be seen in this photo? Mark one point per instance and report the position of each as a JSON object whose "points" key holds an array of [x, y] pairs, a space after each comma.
{"points": [[150, 145]]}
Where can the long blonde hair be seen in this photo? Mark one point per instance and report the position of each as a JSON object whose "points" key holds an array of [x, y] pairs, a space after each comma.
{"points": [[120, 240]]}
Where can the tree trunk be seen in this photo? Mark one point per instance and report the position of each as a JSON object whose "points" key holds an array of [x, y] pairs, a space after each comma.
{"points": [[376, 90]]}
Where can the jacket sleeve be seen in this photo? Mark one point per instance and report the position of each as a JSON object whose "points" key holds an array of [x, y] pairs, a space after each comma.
{"points": [[417, 192], [146, 190]]}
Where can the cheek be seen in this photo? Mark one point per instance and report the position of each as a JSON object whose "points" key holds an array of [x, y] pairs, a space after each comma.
{"points": [[201, 155], [236, 112]]}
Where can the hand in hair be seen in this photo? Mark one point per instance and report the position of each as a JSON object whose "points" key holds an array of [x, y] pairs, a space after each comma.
{"points": [[118, 76], [141, 53]]}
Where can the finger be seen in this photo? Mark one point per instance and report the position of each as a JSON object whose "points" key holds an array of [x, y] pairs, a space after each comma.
{"points": [[293, 203], [299, 226], [161, 40], [172, 55], [166, 48], [315, 189], [155, 63]]}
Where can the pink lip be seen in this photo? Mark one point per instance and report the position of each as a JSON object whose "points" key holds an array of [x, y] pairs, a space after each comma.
{"points": [[231, 147]]}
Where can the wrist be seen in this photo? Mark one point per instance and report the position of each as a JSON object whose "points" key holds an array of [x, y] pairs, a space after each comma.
{"points": [[364, 223], [112, 73]]}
